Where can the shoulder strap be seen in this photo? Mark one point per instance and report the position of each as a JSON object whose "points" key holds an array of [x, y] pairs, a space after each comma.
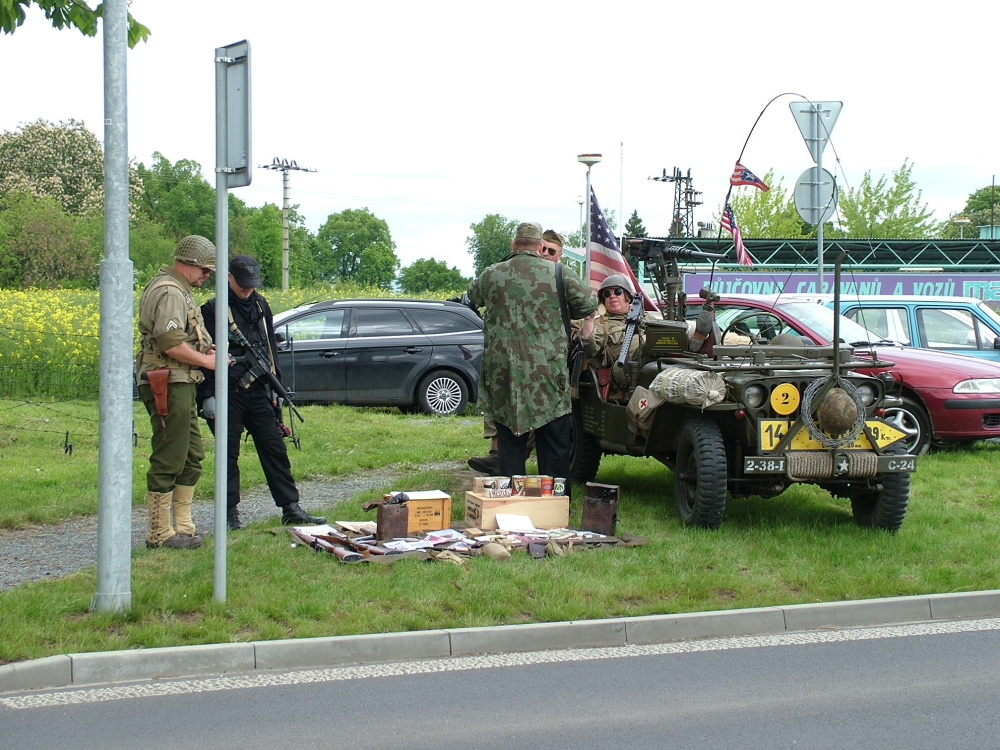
{"points": [[561, 293]]}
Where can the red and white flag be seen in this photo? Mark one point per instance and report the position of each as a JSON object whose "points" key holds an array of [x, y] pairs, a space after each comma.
{"points": [[728, 222], [743, 176], [604, 257]]}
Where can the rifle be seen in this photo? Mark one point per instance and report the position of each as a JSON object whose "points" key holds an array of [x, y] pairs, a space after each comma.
{"points": [[259, 365]]}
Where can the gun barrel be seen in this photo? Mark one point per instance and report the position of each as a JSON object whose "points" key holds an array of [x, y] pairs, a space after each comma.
{"points": [[646, 247]]}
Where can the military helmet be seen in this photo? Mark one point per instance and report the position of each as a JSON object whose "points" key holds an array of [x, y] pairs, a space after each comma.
{"points": [[196, 250], [616, 279]]}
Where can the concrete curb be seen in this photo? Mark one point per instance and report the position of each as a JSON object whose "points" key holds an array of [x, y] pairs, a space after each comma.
{"points": [[193, 661]]}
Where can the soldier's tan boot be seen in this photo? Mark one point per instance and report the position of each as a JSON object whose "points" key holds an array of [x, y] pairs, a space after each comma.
{"points": [[183, 497], [159, 530]]}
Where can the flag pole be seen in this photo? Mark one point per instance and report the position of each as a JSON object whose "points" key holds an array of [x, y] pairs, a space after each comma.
{"points": [[590, 160]]}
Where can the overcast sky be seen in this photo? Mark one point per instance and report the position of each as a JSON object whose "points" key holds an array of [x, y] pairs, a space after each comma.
{"points": [[435, 114]]}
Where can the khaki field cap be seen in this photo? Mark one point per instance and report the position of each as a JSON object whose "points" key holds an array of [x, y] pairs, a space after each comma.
{"points": [[529, 230], [196, 251], [550, 235]]}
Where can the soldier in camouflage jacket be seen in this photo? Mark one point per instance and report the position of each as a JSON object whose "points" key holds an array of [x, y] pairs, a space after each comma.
{"points": [[525, 382]]}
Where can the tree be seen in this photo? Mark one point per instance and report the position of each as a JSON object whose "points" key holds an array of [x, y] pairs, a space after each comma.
{"points": [[490, 240], [982, 210], [429, 275], [343, 239], [42, 246], [882, 210], [64, 162], [66, 13], [634, 226], [768, 214], [377, 266], [264, 242], [178, 196]]}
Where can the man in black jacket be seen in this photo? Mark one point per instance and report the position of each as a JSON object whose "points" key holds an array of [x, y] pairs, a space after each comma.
{"points": [[252, 405]]}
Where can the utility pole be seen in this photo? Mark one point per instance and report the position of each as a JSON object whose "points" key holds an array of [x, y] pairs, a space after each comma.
{"points": [[685, 199], [284, 166]]}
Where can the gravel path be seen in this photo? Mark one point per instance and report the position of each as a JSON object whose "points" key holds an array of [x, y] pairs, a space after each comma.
{"points": [[51, 551]]}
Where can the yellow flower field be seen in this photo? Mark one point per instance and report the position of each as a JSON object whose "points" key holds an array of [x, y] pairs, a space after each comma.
{"points": [[49, 338]]}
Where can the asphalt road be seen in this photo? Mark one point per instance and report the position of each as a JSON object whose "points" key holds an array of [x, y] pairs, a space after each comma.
{"points": [[924, 685]]}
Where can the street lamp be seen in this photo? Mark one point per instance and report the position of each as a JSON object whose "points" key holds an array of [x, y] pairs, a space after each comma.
{"points": [[961, 221], [590, 160], [579, 199]]}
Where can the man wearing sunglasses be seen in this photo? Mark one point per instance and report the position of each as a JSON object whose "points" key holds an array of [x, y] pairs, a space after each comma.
{"points": [[174, 348], [525, 382], [605, 344]]}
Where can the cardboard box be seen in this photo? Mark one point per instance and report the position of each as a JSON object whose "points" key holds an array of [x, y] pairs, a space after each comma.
{"points": [[550, 512], [428, 510]]}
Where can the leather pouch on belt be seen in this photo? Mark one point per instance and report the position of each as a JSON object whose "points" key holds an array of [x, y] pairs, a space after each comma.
{"points": [[158, 384]]}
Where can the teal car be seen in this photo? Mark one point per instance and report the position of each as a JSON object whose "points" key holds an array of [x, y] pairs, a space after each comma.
{"points": [[961, 325]]}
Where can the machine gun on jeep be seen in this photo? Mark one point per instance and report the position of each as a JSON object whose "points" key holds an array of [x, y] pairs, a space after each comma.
{"points": [[744, 418]]}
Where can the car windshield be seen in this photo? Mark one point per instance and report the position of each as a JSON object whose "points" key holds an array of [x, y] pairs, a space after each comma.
{"points": [[820, 319], [989, 312]]}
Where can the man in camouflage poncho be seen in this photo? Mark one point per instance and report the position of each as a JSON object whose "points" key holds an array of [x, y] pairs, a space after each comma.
{"points": [[525, 381]]}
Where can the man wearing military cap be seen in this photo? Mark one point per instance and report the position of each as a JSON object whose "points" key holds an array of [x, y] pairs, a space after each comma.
{"points": [[174, 348], [525, 381], [252, 404], [551, 249]]}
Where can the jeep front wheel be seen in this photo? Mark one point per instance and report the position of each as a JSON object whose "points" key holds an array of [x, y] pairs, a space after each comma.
{"points": [[700, 474], [883, 508]]}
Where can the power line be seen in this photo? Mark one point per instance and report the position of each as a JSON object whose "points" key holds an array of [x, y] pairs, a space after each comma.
{"points": [[285, 166]]}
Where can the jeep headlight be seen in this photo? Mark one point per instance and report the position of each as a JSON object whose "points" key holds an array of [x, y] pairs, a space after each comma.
{"points": [[754, 395], [978, 385], [867, 393]]}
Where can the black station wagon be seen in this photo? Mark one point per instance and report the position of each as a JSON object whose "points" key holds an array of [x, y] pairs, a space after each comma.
{"points": [[382, 352]]}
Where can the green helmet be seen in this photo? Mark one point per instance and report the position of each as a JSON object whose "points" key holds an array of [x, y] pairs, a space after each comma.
{"points": [[617, 279], [195, 250]]}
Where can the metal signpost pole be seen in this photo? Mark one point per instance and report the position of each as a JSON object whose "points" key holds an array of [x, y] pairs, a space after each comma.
{"points": [[114, 509], [232, 169]]}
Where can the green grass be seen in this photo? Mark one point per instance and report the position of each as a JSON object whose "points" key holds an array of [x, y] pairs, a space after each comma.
{"points": [[802, 546]]}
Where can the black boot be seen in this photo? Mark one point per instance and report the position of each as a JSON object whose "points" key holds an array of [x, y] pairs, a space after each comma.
{"points": [[292, 513], [233, 522], [489, 465]]}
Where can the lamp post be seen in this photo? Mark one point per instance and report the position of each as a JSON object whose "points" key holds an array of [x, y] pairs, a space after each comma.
{"points": [[590, 160], [961, 221], [579, 199]]}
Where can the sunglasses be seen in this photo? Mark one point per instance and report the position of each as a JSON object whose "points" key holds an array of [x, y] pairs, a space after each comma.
{"points": [[617, 291], [553, 251]]}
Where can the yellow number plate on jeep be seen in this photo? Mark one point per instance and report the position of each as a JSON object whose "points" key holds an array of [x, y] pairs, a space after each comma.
{"points": [[771, 431]]}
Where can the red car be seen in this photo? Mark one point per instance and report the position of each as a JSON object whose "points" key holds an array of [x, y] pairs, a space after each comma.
{"points": [[947, 398]]}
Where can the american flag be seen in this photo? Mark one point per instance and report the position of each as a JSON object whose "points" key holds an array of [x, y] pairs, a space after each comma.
{"points": [[743, 176], [604, 256], [728, 222]]}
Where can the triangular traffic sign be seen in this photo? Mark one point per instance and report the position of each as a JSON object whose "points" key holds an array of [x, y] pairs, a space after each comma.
{"points": [[816, 121]]}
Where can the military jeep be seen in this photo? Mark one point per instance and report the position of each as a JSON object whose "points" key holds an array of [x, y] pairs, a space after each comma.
{"points": [[732, 414]]}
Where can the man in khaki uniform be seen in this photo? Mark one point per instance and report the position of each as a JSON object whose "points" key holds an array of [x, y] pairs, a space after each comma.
{"points": [[174, 347]]}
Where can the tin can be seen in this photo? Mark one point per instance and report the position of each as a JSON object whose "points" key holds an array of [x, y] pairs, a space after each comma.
{"points": [[517, 484], [490, 483], [559, 486], [503, 483], [547, 485], [533, 485]]}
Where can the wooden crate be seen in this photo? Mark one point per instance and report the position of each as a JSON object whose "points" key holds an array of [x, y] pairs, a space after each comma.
{"points": [[549, 512], [429, 510]]}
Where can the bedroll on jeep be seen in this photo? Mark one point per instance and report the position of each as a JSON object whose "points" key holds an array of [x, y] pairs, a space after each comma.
{"points": [[732, 415]]}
